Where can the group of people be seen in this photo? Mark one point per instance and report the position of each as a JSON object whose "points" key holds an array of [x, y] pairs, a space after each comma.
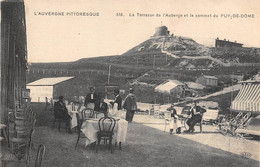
{"points": [[97, 103], [196, 116]]}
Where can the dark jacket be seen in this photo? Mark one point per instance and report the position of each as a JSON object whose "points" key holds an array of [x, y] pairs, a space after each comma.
{"points": [[89, 100], [130, 103], [60, 110], [173, 112], [199, 110], [118, 100], [101, 107]]}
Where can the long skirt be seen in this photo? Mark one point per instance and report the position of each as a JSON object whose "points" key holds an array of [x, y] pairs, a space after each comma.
{"points": [[129, 115], [175, 123]]}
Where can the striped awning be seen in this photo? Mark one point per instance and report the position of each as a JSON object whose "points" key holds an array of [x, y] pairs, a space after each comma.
{"points": [[248, 98]]}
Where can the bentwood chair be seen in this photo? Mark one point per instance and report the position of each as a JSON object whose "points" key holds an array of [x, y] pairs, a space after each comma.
{"points": [[60, 119], [106, 131], [86, 113], [16, 158], [40, 155], [20, 152]]}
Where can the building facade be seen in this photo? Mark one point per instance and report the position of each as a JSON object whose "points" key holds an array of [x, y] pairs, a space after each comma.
{"points": [[13, 56], [224, 43], [207, 80]]}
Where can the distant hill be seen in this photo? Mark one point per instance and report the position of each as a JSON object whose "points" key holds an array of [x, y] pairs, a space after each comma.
{"points": [[153, 61]]}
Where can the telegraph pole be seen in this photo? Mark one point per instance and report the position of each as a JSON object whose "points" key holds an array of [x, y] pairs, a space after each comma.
{"points": [[154, 61], [109, 69]]}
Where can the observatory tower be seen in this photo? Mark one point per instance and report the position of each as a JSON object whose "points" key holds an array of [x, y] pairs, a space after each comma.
{"points": [[161, 31]]}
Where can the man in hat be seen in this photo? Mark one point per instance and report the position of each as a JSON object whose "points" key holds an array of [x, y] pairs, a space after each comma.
{"points": [[91, 98], [61, 111], [196, 112], [130, 105]]}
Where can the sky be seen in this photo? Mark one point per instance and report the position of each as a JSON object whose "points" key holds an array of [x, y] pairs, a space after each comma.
{"points": [[52, 38]]}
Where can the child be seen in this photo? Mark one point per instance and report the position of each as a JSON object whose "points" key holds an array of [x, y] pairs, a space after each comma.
{"points": [[174, 120]]}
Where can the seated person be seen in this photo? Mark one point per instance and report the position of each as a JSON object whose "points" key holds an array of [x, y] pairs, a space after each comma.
{"points": [[196, 112], [61, 112], [101, 106], [116, 104], [174, 120]]}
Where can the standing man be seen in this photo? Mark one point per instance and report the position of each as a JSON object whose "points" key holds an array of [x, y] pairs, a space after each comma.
{"points": [[91, 98], [130, 105]]}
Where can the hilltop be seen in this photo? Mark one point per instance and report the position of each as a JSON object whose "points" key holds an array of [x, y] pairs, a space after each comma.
{"points": [[163, 56]]}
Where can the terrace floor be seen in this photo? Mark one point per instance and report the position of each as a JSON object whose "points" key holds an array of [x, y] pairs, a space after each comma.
{"points": [[146, 145]]}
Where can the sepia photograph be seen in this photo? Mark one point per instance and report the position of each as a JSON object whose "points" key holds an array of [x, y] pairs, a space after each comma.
{"points": [[141, 83]]}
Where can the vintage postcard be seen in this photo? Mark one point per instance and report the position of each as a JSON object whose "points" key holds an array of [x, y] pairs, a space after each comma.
{"points": [[130, 83]]}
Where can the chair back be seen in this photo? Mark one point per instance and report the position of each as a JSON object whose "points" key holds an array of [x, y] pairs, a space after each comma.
{"points": [[245, 118], [87, 113], [79, 121], [106, 125], [167, 114], [240, 114], [40, 154], [186, 110], [79, 107]]}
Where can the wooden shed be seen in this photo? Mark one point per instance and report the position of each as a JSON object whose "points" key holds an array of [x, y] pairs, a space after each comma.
{"points": [[206, 80], [49, 88]]}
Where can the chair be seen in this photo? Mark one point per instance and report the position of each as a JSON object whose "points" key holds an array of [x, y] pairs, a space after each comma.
{"points": [[85, 114], [230, 123], [167, 119], [201, 121], [240, 123], [106, 131], [156, 111], [20, 153], [20, 148], [79, 106], [60, 120], [24, 139], [251, 127], [88, 113], [40, 154]]}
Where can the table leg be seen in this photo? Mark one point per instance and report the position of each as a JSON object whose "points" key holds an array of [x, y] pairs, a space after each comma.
{"points": [[119, 145]]}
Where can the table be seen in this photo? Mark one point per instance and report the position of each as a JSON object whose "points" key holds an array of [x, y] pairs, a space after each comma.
{"points": [[74, 122], [73, 115], [90, 129]]}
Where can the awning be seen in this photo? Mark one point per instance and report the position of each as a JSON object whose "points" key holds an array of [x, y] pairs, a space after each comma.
{"points": [[248, 98]]}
